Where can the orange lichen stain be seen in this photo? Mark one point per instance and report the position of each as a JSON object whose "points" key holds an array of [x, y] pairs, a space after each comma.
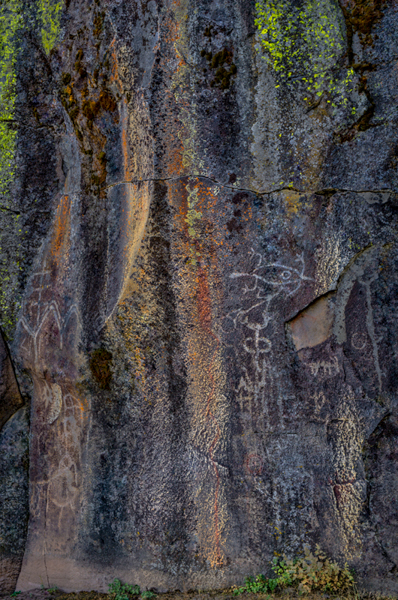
{"points": [[62, 227], [175, 155], [292, 201], [114, 76]]}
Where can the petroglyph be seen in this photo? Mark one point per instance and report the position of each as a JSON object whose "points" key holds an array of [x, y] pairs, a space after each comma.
{"points": [[52, 396], [364, 271], [50, 327], [64, 477], [254, 464], [38, 309], [58, 491], [267, 283], [358, 341], [370, 325], [324, 368]]}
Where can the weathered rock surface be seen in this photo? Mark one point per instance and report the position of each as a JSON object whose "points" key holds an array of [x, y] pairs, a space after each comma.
{"points": [[14, 456], [14, 451], [200, 232]]}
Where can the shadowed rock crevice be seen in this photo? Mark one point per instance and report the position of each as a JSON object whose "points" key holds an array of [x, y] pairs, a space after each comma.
{"points": [[10, 397]]}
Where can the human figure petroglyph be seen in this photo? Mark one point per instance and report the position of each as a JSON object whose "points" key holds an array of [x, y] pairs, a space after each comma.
{"points": [[264, 285], [58, 490], [38, 309], [49, 328]]}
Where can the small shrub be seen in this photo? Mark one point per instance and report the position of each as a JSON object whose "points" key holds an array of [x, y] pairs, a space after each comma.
{"points": [[309, 573], [148, 594], [257, 585], [122, 591], [314, 572]]}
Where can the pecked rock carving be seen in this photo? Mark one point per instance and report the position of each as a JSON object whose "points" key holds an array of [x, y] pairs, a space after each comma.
{"points": [[198, 291]]}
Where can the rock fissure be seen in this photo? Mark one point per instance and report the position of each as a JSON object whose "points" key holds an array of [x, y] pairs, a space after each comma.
{"points": [[321, 192]]}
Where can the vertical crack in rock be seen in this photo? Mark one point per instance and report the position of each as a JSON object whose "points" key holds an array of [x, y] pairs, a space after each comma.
{"points": [[10, 397]]}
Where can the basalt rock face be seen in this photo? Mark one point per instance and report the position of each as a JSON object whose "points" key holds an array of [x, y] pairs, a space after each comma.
{"points": [[14, 451], [199, 234]]}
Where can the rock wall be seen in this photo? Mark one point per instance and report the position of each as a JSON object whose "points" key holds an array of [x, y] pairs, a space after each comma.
{"points": [[199, 248]]}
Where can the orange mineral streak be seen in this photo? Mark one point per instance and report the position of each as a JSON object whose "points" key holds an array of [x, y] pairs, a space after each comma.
{"points": [[125, 145], [205, 318], [114, 77], [62, 229], [175, 158], [175, 148]]}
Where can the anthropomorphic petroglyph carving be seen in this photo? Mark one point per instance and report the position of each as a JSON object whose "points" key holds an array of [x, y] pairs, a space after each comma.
{"points": [[370, 326], [50, 329], [64, 475], [56, 492], [37, 310], [267, 283]]}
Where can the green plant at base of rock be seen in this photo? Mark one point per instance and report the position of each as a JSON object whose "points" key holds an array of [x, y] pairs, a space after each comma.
{"points": [[148, 594], [257, 585], [310, 573], [122, 591]]}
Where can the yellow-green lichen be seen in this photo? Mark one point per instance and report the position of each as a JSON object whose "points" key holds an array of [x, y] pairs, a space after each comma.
{"points": [[50, 12], [303, 44], [192, 214], [11, 23]]}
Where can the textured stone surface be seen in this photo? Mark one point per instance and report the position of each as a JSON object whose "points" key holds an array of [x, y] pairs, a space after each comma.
{"points": [[14, 455], [205, 289], [14, 481]]}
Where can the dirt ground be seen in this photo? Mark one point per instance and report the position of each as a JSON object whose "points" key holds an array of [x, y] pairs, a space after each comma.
{"points": [[44, 594]]}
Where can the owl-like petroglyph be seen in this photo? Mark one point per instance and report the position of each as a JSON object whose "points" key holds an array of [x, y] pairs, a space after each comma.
{"points": [[267, 283]]}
